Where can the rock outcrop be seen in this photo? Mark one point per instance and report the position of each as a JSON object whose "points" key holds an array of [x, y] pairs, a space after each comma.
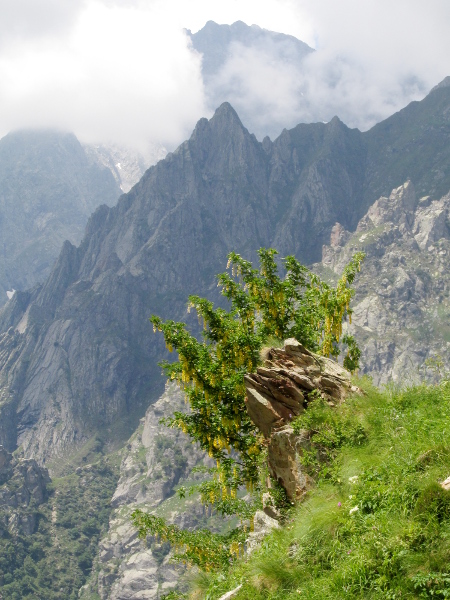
{"points": [[155, 461], [23, 488], [401, 308], [278, 392]]}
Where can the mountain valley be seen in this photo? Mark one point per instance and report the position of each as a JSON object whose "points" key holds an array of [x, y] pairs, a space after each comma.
{"points": [[80, 390]]}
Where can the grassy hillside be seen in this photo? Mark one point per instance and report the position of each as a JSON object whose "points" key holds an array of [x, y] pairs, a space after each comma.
{"points": [[377, 523]]}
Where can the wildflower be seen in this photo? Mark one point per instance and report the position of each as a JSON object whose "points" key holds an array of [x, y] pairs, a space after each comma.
{"points": [[290, 415], [339, 504], [353, 510], [353, 479], [350, 497]]}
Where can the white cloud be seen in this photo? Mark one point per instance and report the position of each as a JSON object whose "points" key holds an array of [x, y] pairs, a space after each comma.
{"points": [[121, 69], [23, 19], [372, 58], [123, 74]]}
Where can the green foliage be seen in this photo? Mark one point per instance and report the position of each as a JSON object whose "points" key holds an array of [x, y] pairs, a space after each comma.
{"points": [[55, 560], [262, 306], [202, 548], [380, 528], [433, 503], [433, 585], [351, 359], [212, 492], [173, 595], [328, 430], [211, 371]]}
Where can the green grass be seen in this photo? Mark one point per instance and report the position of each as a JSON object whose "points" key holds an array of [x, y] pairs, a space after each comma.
{"points": [[395, 543]]}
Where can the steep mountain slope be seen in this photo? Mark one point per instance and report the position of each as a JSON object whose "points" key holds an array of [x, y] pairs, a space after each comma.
{"points": [[412, 144], [76, 355], [402, 308], [237, 62], [156, 460], [48, 189]]}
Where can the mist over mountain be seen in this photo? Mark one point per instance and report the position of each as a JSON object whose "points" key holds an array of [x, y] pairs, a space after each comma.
{"points": [[275, 81], [256, 70], [48, 189], [215, 42]]}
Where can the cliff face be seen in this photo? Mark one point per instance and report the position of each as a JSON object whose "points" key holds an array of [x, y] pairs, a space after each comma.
{"points": [[402, 308], [156, 459], [76, 355], [23, 488], [48, 189]]}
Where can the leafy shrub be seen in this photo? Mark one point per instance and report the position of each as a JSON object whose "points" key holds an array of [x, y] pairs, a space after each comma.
{"points": [[432, 585], [328, 429], [211, 372], [433, 503]]}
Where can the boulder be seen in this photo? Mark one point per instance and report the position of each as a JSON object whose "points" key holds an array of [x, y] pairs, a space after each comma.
{"points": [[279, 391]]}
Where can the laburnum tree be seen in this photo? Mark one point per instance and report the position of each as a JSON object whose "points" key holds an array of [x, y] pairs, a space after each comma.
{"points": [[262, 306]]}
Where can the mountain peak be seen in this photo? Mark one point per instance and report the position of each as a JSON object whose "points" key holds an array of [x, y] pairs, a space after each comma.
{"points": [[443, 84], [226, 116]]}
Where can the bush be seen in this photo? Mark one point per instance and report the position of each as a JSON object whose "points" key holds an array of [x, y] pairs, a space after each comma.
{"points": [[433, 504]]}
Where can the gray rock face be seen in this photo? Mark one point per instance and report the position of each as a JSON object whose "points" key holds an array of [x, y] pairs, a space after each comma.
{"points": [[48, 189], [76, 355], [402, 308], [155, 461], [23, 488]]}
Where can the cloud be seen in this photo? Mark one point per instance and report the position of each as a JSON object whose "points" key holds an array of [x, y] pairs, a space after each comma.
{"points": [[263, 85], [25, 19], [122, 74], [372, 58], [122, 70]]}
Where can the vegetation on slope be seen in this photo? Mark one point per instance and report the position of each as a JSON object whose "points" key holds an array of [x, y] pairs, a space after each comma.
{"points": [[377, 523], [54, 562], [211, 373]]}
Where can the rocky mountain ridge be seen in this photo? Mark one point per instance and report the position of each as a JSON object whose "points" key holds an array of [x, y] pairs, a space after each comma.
{"points": [[75, 356], [48, 189], [401, 308]]}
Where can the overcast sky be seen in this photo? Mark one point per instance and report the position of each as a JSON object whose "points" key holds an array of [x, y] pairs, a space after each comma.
{"points": [[122, 70]]}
